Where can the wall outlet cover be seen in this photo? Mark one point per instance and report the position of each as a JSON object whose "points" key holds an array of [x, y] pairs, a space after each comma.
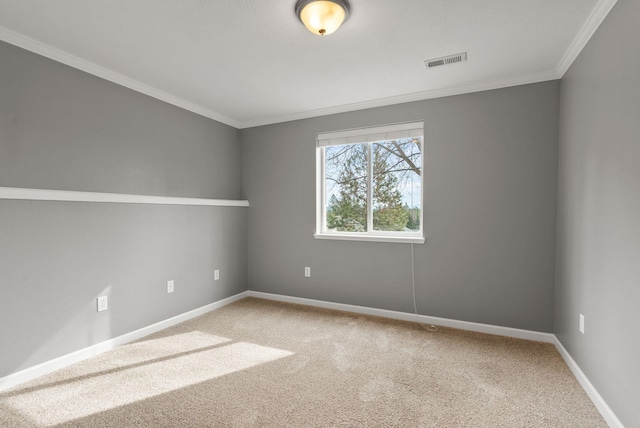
{"points": [[170, 286], [216, 274], [103, 303]]}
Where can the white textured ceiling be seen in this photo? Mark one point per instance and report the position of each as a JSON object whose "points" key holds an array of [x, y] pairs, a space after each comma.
{"points": [[251, 62]]}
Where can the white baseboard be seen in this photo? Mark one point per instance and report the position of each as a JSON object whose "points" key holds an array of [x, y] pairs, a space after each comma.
{"points": [[74, 357], [595, 397], [404, 316], [588, 387], [82, 354]]}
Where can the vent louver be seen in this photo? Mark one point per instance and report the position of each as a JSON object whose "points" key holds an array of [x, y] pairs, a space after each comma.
{"points": [[445, 60]]}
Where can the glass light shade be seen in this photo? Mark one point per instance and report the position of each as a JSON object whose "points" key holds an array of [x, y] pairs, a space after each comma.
{"points": [[322, 17]]}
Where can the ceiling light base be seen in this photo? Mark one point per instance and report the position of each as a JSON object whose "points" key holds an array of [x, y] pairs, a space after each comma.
{"points": [[322, 17]]}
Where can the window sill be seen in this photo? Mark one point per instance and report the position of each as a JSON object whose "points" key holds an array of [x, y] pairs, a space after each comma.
{"points": [[370, 238]]}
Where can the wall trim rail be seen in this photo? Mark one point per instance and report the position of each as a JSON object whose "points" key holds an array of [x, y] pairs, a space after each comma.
{"points": [[119, 198]]}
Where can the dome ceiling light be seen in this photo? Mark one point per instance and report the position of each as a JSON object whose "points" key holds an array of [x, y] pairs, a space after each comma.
{"points": [[322, 17]]}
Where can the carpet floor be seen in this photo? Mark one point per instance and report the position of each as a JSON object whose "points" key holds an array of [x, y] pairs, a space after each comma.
{"points": [[262, 363]]}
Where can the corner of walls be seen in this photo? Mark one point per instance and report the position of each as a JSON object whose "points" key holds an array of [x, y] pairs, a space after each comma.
{"points": [[598, 216], [602, 406]]}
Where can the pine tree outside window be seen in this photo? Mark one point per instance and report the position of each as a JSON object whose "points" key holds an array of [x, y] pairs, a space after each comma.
{"points": [[369, 184]]}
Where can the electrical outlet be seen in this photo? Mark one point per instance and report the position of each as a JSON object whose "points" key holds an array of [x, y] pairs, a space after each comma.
{"points": [[581, 323], [170, 285], [216, 274], [307, 272], [103, 303]]}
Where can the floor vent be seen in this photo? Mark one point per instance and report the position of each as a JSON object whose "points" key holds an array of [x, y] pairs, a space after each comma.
{"points": [[450, 59]]}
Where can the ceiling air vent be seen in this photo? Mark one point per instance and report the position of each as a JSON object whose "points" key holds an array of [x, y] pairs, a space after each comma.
{"points": [[450, 59]]}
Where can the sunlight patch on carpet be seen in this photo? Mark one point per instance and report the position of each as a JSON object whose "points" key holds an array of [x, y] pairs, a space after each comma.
{"points": [[143, 370]]}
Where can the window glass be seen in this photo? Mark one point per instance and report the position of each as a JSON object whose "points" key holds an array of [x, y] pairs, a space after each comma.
{"points": [[397, 185], [346, 185], [370, 183]]}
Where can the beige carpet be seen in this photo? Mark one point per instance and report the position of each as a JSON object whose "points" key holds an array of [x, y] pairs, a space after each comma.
{"points": [[262, 363]]}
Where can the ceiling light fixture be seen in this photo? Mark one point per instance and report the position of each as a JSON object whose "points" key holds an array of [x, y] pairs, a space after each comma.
{"points": [[322, 17]]}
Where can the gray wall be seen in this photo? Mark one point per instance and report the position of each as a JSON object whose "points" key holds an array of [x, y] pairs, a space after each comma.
{"points": [[599, 211], [63, 129], [490, 212]]}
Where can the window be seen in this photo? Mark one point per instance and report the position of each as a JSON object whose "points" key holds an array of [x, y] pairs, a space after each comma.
{"points": [[369, 184]]}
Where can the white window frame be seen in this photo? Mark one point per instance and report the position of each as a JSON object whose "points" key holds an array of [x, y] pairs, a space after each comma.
{"points": [[358, 136]]}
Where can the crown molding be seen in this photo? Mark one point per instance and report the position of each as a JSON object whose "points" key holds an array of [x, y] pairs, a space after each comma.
{"points": [[418, 96], [598, 14], [63, 57]]}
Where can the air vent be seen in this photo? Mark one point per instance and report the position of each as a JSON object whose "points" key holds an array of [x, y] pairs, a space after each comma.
{"points": [[450, 59]]}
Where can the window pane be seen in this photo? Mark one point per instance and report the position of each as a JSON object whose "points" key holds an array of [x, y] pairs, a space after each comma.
{"points": [[397, 190], [346, 188]]}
